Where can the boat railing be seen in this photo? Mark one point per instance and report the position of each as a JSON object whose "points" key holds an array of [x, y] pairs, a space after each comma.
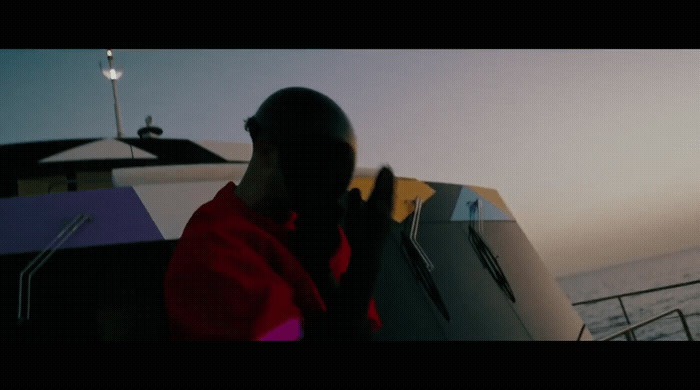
{"points": [[631, 329], [41, 259], [629, 332]]}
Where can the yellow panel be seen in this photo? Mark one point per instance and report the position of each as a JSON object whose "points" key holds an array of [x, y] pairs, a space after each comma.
{"points": [[493, 197], [405, 192], [41, 185]]}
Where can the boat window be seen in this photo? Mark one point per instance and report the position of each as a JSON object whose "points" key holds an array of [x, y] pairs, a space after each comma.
{"points": [[93, 180], [86, 180], [42, 185]]}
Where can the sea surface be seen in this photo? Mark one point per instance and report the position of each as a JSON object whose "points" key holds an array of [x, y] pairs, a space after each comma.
{"points": [[606, 317]]}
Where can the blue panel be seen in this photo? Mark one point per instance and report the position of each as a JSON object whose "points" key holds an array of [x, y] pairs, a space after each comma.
{"points": [[490, 212], [118, 216]]}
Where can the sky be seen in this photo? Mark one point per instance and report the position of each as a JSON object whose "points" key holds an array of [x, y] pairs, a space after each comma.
{"points": [[595, 152]]}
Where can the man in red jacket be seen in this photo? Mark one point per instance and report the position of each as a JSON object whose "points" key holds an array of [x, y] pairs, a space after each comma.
{"points": [[267, 259]]}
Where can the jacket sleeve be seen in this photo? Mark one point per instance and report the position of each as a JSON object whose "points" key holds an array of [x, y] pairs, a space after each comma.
{"points": [[219, 288]]}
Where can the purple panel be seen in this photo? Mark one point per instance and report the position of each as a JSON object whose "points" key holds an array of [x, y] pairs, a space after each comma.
{"points": [[118, 216]]}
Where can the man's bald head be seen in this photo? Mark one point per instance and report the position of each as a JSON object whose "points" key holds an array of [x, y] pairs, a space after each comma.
{"points": [[300, 114], [315, 142]]}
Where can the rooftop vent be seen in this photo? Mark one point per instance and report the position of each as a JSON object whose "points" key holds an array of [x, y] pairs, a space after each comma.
{"points": [[149, 131]]}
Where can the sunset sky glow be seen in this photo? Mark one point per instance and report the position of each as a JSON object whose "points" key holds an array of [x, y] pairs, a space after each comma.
{"points": [[595, 152]]}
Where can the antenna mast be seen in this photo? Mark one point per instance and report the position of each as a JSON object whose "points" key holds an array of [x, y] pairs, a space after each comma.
{"points": [[114, 75]]}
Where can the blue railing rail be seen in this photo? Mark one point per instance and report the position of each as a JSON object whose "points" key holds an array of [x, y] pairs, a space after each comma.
{"points": [[629, 334]]}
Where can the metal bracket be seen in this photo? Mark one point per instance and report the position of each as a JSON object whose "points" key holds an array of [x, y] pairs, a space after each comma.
{"points": [[42, 257], [476, 207]]}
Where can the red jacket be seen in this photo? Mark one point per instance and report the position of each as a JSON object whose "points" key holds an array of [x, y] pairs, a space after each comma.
{"points": [[232, 277]]}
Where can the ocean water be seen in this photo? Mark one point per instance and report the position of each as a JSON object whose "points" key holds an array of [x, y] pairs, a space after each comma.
{"points": [[606, 317]]}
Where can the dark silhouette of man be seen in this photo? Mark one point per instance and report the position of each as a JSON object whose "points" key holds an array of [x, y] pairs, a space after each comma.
{"points": [[268, 259]]}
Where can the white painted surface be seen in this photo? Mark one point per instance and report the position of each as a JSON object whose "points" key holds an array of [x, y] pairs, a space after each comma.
{"points": [[172, 204], [543, 307], [231, 151], [104, 149], [132, 176], [365, 172], [171, 194], [122, 177]]}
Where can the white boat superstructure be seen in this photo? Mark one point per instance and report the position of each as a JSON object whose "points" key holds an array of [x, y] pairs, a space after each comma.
{"points": [[456, 267]]}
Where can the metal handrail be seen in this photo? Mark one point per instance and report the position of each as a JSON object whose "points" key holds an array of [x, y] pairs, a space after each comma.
{"points": [[636, 292], [631, 335], [414, 232], [66, 233], [630, 329], [414, 252]]}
